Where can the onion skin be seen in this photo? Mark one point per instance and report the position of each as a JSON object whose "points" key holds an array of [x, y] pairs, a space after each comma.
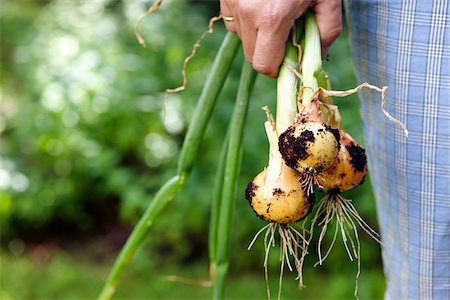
{"points": [[349, 169], [281, 202], [309, 146]]}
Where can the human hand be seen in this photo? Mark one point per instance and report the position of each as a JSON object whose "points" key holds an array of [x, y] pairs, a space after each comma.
{"points": [[264, 25]]}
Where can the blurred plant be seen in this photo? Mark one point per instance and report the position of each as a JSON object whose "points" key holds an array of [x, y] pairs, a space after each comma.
{"points": [[85, 127]]}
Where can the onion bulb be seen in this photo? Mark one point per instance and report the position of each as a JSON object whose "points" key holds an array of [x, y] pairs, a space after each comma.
{"points": [[309, 146], [348, 170], [277, 197], [275, 194], [281, 201]]}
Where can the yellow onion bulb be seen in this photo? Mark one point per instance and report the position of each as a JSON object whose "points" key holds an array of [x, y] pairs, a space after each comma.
{"points": [[348, 170], [282, 200], [309, 146]]}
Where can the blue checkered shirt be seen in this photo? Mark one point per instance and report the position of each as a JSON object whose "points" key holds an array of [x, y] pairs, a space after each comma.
{"points": [[405, 45]]}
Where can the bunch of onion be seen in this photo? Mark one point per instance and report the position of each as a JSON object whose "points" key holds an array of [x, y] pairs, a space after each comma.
{"points": [[310, 150], [275, 194], [328, 158]]}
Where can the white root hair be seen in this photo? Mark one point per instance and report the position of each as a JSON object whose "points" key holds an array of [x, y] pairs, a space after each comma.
{"points": [[291, 242], [335, 207], [308, 181]]}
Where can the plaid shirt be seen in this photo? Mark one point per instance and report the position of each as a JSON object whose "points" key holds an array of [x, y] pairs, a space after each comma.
{"points": [[405, 45]]}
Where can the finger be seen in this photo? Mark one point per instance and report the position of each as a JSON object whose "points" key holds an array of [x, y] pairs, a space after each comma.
{"points": [[273, 31], [269, 49], [226, 11], [329, 21], [247, 28]]}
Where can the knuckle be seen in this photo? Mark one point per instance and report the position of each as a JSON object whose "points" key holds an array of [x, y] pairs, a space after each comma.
{"points": [[246, 10], [271, 17], [269, 20]]}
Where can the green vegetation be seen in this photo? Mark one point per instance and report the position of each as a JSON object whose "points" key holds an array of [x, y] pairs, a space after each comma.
{"points": [[68, 277], [88, 136]]}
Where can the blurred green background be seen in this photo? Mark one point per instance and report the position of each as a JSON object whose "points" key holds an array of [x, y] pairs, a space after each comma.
{"points": [[88, 136]]}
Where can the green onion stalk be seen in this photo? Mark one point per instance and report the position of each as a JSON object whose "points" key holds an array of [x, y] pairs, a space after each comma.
{"points": [[311, 60], [191, 144], [227, 196]]}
